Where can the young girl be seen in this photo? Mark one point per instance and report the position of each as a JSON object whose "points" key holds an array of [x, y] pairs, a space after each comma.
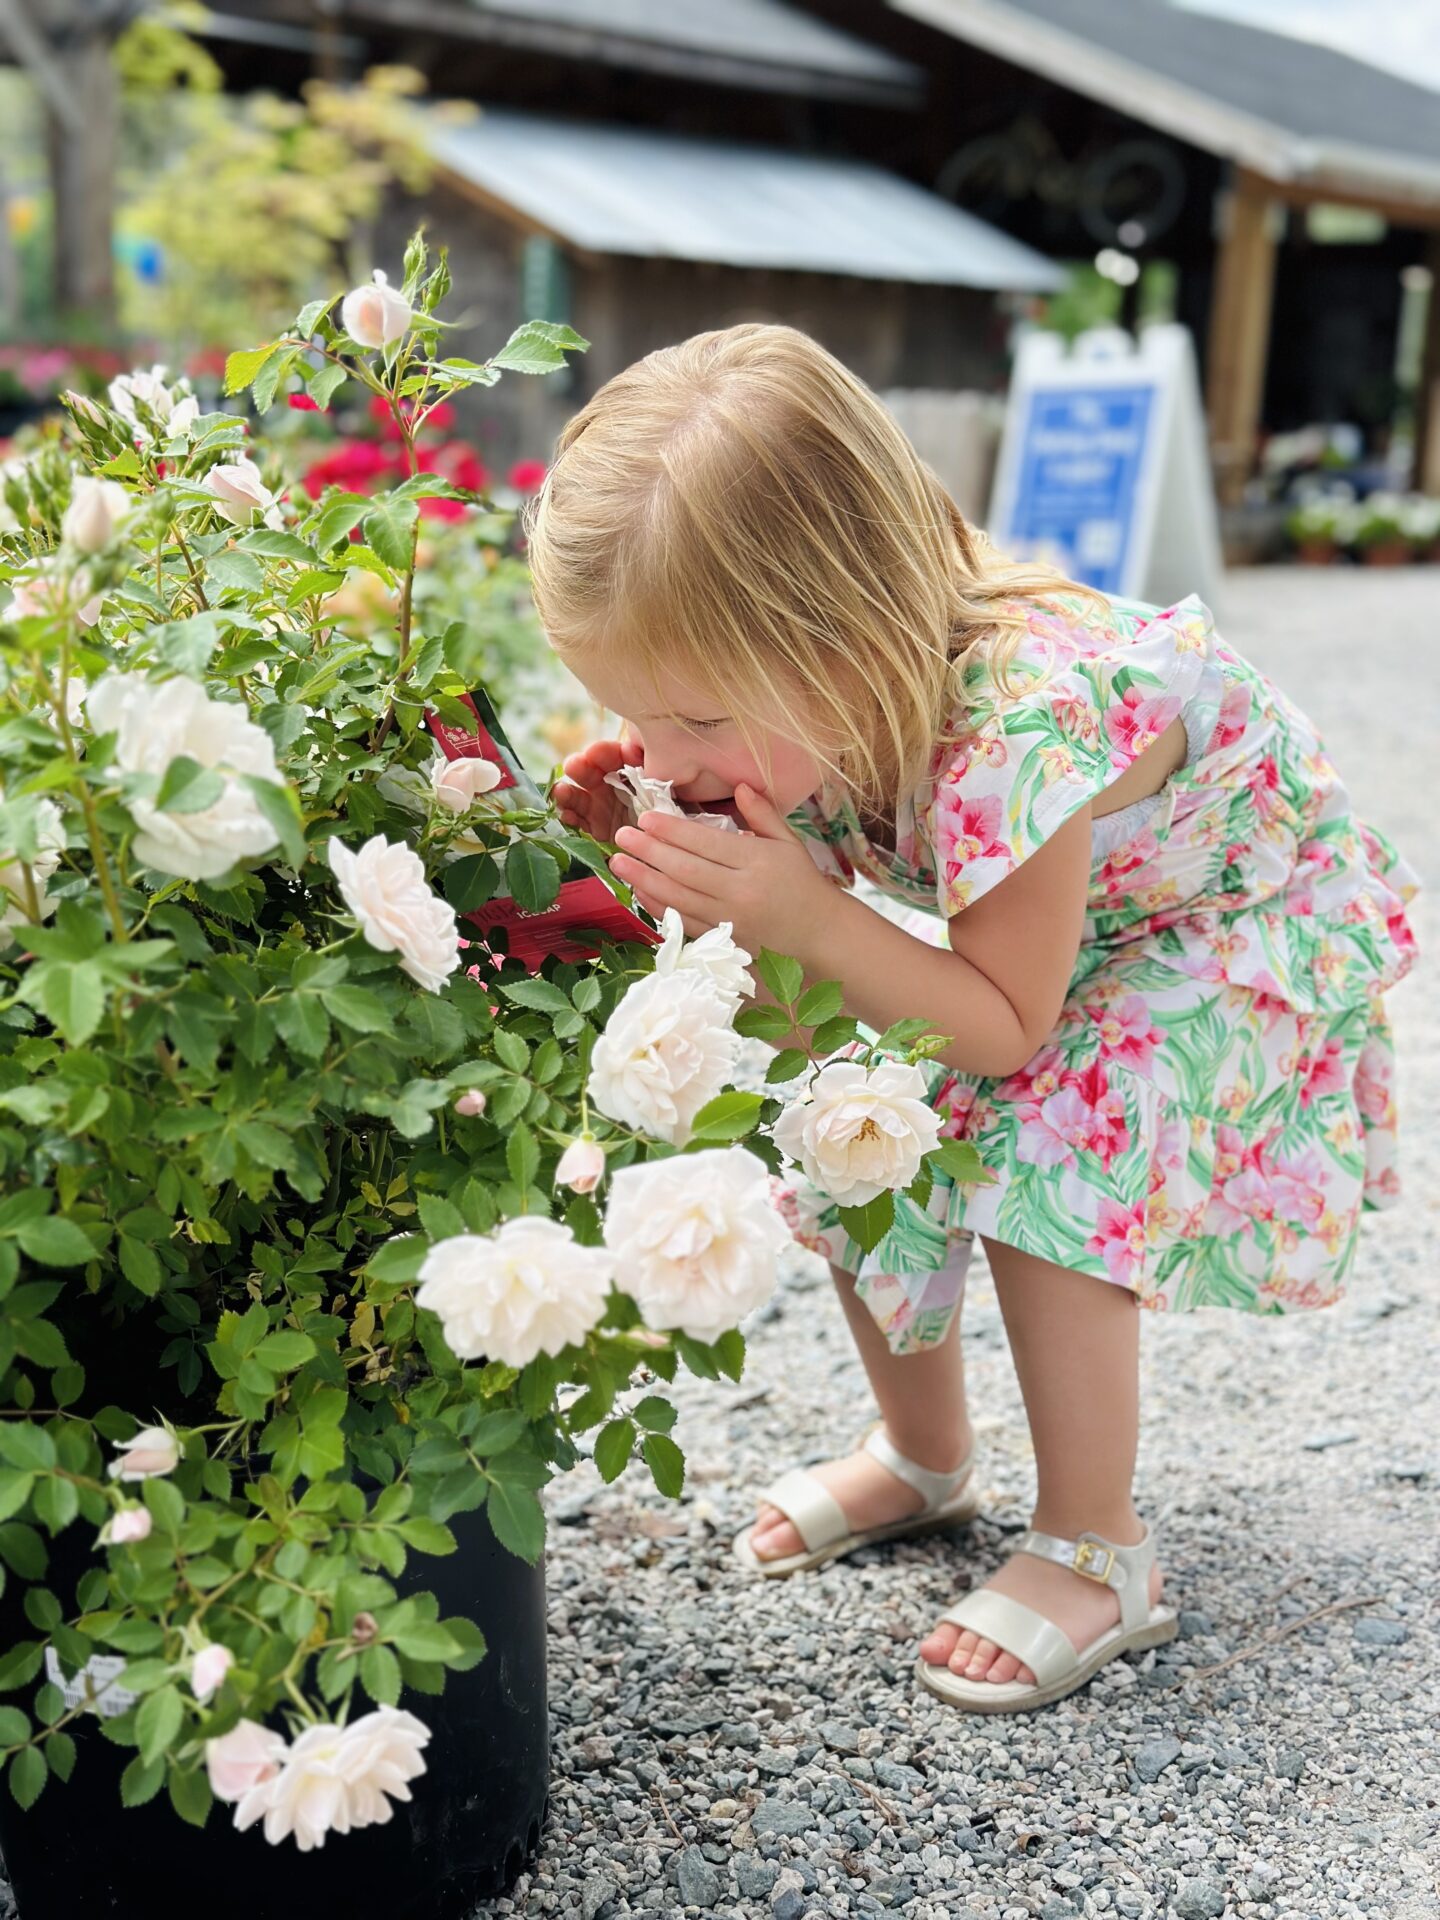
{"points": [[1160, 943]]}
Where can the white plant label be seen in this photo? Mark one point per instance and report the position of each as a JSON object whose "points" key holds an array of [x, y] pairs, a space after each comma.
{"points": [[93, 1686]]}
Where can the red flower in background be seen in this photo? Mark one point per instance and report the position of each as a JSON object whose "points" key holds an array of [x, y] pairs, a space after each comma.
{"points": [[528, 476], [302, 403]]}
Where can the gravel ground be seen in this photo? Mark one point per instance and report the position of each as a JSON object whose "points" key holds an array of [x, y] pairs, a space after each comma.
{"points": [[737, 1745]]}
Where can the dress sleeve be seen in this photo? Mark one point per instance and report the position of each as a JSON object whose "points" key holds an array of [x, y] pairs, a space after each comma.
{"points": [[1088, 694], [824, 842]]}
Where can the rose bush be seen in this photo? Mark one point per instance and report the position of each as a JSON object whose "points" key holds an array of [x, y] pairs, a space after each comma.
{"points": [[395, 1222]]}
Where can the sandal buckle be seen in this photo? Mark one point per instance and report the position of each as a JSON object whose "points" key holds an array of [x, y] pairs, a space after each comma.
{"points": [[1088, 1550]]}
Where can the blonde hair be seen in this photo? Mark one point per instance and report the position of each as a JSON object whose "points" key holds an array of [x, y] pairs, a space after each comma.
{"points": [[743, 511]]}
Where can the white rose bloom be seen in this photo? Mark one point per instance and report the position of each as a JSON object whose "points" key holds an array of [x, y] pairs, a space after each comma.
{"points": [[38, 594], [335, 1779], [666, 1050], [696, 1239], [154, 1450], [527, 1288], [177, 414], [458, 784], [93, 517], [373, 316], [50, 835], [859, 1133], [384, 886], [714, 954], [240, 493], [157, 722]]}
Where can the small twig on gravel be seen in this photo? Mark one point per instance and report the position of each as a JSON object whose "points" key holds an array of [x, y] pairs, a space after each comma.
{"points": [[666, 1811], [884, 1805], [1283, 1633]]}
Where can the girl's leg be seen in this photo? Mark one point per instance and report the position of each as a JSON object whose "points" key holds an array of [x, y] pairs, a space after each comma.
{"points": [[1076, 1346], [921, 1397]]}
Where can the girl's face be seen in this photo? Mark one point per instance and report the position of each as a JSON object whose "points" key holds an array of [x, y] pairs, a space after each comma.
{"points": [[702, 751]]}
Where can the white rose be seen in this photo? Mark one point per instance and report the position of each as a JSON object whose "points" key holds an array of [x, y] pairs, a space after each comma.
{"points": [[714, 954], [859, 1133], [131, 390], [335, 1779], [126, 1528], [374, 316], [96, 509], [696, 1239], [247, 1757], [157, 722], [209, 1668], [581, 1166], [384, 886], [50, 838], [153, 1450], [527, 1288], [240, 493], [458, 784], [40, 595], [667, 1049]]}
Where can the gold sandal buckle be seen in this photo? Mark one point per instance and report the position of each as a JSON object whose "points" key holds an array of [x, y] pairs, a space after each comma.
{"points": [[1088, 1550]]}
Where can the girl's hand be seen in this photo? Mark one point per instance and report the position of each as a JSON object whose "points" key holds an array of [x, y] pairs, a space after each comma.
{"points": [[582, 798], [763, 882]]}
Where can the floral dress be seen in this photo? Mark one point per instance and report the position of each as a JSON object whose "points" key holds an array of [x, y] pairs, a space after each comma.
{"points": [[1214, 1107]]}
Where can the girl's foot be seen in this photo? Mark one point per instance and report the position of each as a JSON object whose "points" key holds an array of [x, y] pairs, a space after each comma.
{"points": [[1081, 1607], [868, 1493]]}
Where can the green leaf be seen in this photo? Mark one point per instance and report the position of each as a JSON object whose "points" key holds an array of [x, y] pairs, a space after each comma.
{"points": [[782, 975], [28, 1773], [14, 1727], [241, 368], [276, 545], [14, 1491], [425, 1639], [140, 1265], [730, 1353], [771, 1024], [342, 514], [186, 645], [656, 1414], [788, 1064], [327, 383], [358, 1008], [282, 1352], [236, 571], [20, 1664], [190, 1794], [729, 1116], [962, 1162], [903, 1034], [141, 1781], [26, 1444], [55, 1241], [822, 1002], [188, 787], [159, 1720], [72, 996], [868, 1225], [613, 1446], [831, 1035], [543, 995], [60, 1752], [470, 882], [533, 876], [518, 1520], [666, 1463], [539, 346], [380, 1675], [389, 527], [522, 1156], [427, 1535], [280, 805]]}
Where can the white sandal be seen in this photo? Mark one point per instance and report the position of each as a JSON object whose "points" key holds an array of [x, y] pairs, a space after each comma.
{"points": [[1038, 1643], [819, 1519]]}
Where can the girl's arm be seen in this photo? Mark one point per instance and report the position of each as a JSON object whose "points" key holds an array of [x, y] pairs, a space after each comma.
{"points": [[1000, 989]]}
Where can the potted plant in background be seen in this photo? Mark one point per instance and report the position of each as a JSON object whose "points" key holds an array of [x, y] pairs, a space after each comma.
{"points": [[1377, 530], [326, 1238]]}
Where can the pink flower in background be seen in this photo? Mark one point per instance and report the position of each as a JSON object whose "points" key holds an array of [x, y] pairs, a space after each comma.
{"points": [[1119, 1239], [527, 476], [303, 403], [209, 1669]]}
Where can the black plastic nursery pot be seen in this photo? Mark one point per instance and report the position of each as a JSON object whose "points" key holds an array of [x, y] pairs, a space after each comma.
{"points": [[474, 1821], [472, 1824]]}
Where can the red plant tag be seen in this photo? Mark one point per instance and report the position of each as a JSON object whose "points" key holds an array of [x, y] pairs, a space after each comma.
{"points": [[586, 913]]}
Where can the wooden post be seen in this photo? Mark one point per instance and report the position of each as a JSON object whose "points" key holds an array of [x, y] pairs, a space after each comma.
{"points": [[75, 78], [1240, 332], [1425, 475]]}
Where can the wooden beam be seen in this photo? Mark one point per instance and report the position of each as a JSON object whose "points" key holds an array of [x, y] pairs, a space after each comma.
{"points": [[82, 178], [1425, 471], [1239, 341]]}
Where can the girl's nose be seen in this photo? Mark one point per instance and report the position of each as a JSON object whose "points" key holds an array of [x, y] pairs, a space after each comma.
{"points": [[678, 767]]}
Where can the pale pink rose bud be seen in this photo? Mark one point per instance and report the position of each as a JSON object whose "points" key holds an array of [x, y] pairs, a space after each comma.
{"points": [[374, 316], [126, 1527], [246, 1757], [82, 404], [459, 783], [240, 493], [95, 512], [471, 1104], [581, 1165], [153, 1450], [211, 1665]]}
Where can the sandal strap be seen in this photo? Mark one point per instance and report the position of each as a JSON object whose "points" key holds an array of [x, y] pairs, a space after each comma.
{"points": [[1016, 1629], [934, 1488], [1126, 1569], [810, 1507]]}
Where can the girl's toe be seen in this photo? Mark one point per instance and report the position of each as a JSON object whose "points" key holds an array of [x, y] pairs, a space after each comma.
{"points": [[977, 1663], [1005, 1668], [938, 1646]]}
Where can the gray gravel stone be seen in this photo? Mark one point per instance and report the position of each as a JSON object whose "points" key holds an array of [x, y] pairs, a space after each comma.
{"points": [[1373, 1631], [754, 1877], [1200, 1900], [1152, 1759], [595, 1890], [698, 1880], [783, 1816], [1193, 1625]]}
